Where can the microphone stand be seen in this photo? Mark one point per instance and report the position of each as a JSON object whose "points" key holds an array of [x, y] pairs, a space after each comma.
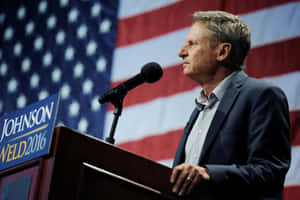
{"points": [[117, 101]]}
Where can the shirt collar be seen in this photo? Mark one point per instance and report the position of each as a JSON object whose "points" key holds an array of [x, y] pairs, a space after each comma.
{"points": [[216, 94]]}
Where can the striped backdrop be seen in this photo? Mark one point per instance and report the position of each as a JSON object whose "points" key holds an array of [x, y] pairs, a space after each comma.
{"points": [[154, 115]]}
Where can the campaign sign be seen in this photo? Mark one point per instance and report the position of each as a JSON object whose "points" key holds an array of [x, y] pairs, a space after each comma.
{"points": [[26, 134]]}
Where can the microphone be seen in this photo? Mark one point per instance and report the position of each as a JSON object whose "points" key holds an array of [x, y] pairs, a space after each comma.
{"points": [[150, 73]]}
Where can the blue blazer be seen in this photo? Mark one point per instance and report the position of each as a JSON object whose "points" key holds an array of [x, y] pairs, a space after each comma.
{"points": [[247, 148]]}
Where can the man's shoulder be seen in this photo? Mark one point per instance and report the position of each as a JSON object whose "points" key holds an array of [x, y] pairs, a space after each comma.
{"points": [[253, 83], [256, 87]]}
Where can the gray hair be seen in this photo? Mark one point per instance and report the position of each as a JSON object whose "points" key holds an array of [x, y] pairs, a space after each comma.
{"points": [[227, 28]]}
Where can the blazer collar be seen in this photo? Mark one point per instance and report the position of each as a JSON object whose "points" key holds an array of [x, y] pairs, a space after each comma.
{"points": [[224, 108]]}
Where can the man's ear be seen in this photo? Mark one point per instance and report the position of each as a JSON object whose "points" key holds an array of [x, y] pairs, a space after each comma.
{"points": [[223, 51]]}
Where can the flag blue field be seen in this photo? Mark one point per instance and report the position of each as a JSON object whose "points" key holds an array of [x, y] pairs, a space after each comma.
{"points": [[58, 46], [82, 48]]}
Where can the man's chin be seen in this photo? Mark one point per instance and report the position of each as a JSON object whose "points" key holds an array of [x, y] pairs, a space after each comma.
{"points": [[193, 76], [188, 73]]}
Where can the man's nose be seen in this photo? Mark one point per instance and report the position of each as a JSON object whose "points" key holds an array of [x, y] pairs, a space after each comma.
{"points": [[182, 52]]}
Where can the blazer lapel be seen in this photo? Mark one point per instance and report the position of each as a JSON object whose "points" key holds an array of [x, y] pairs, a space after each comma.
{"points": [[224, 108], [179, 157]]}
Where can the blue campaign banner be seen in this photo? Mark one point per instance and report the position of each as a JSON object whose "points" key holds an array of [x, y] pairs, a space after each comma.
{"points": [[27, 133]]}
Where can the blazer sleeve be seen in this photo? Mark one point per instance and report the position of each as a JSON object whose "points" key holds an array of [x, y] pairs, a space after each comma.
{"points": [[268, 145]]}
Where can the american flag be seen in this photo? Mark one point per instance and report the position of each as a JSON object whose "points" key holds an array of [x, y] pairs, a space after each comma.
{"points": [[83, 48], [58, 46]]}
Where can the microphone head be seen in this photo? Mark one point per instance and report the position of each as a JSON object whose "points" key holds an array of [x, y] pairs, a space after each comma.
{"points": [[152, 72]]}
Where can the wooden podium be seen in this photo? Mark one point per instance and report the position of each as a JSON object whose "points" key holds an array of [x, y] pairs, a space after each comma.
{"points": [[81, 167]]}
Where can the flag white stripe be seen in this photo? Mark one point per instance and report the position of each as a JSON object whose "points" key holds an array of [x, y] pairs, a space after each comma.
{"points": [[290, 84], [167, 163], [274, 24], [172, 113], [135, 7], [293, 175], [128, 60], [280, 24]]}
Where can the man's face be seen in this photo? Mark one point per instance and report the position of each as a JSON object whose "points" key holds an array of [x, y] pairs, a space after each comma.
{"points": [[199, 59]]}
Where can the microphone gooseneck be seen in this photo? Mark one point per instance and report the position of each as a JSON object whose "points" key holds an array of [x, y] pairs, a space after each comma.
{"points": [[150, 73]]}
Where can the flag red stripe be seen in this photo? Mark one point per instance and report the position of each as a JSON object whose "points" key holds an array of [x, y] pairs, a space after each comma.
{"points": [[291, 192], [155, 23], [159, 147], [295, 127], [154, 147], [280, 59], [173, 81]]}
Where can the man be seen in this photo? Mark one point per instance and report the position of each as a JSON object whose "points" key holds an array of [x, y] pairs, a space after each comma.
{"points": [[237, 139]]}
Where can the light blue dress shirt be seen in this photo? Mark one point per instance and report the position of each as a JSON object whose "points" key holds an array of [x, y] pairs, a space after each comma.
{"points": [[207, 107]]}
